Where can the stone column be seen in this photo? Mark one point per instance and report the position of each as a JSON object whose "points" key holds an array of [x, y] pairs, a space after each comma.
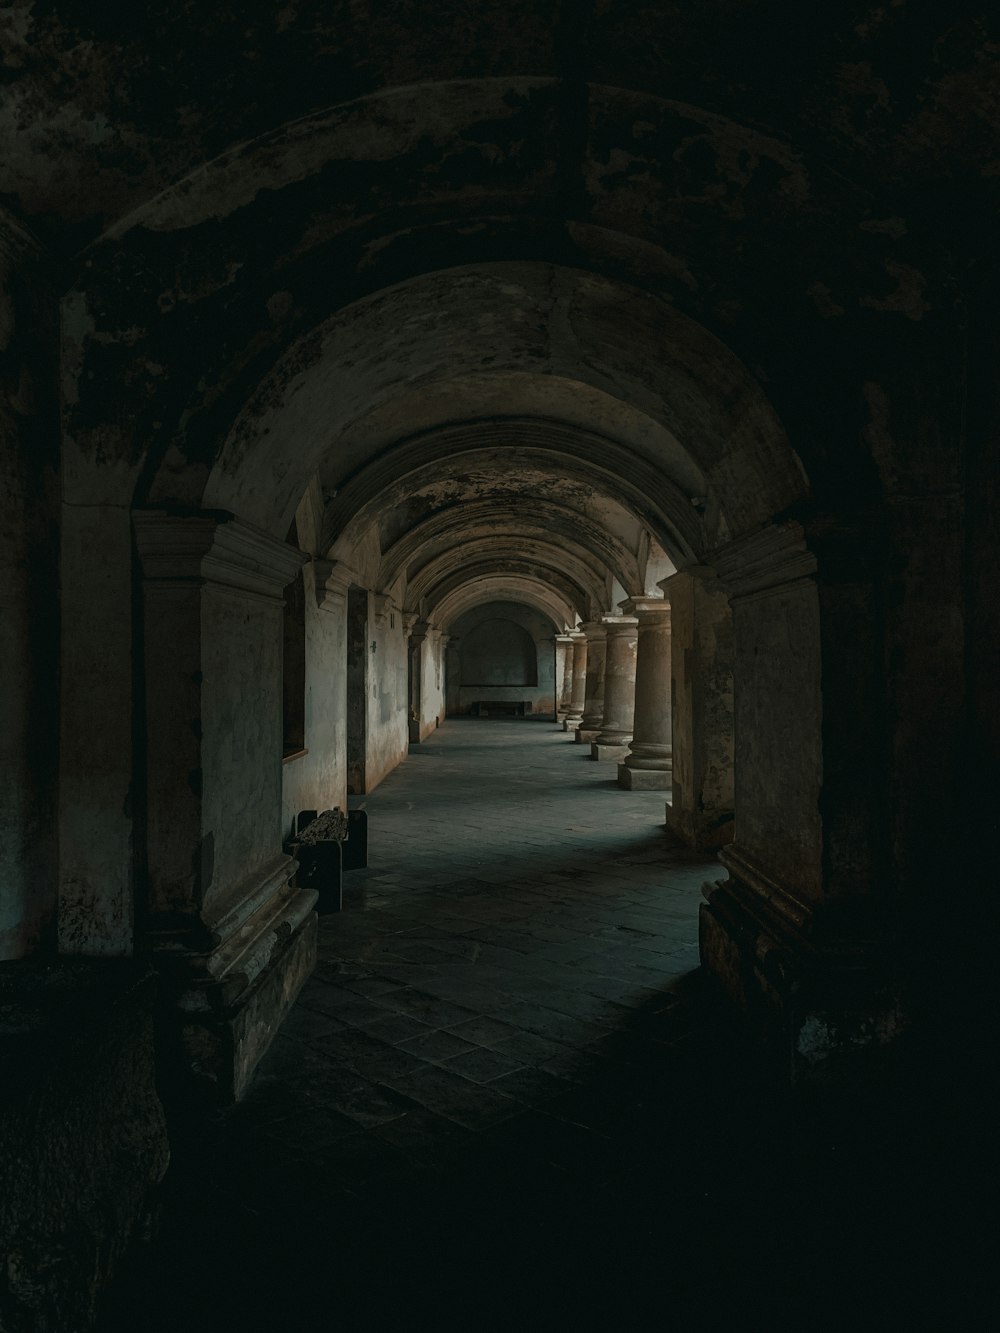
{"points": [[648, 766], [619, 689], [701, 802], [578, 693], [593, 707], [232, 939], [564, 675]]}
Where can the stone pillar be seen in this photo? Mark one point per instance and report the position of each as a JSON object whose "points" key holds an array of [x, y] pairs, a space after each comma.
{"points": [[701, 805], [232, 939], [578, 693], [648, 766], [593, 707], [619, 689], [564, 675]]}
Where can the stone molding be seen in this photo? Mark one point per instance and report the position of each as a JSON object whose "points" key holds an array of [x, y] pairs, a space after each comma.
{"points": [[647, 609], [247, 937], [592, 630], [620, 626], [764, 561], [333, 579], [772, 897], [214, 548], [424, 629], [383, 605]]}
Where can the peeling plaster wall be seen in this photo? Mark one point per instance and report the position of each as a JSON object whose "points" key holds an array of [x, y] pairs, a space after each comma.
{"points": [[318, 780], [388, 678], [430, 651], [29, 601], [241, 750]]}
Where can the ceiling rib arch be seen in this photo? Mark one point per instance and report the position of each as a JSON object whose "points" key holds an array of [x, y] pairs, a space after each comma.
{"points": [[606, 467], [533, 523], [586, 601], [544, 336], [591, 578], [500, 588]]}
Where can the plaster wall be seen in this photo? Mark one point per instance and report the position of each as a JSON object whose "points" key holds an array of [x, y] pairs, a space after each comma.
{"points": [[386, 702], [431, 654], [28, 609], [241, 749], [317, 780]]}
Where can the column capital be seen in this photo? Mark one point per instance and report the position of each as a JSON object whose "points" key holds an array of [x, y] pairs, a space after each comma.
{"points": [[333, 579], [213, 548], [765, 560], [564, 638], [383, 605], [592, 629], [646, 608], [616, 625], [672, 581], [423, 629]]}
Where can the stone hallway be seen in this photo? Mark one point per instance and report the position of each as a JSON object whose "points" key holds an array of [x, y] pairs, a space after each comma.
{"points": [[503, 1100]]}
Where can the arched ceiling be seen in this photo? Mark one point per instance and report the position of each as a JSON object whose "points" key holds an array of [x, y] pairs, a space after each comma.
{"points": [[109, 105], [465, 597], [644, 251]]}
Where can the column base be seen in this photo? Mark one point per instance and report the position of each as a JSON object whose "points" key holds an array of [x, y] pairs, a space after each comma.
{"points": [[587, 735], [608, 753], [644, 779], [571, 723], [223, 1007], [824, 1008]]}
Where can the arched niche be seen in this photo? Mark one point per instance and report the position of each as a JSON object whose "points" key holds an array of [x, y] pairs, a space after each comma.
{"points": [[501, 652]]}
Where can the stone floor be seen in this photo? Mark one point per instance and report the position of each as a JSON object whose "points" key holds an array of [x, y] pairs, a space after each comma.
{"points": [[507, 1099]]}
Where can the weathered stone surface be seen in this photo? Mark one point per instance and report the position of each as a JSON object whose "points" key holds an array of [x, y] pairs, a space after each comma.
{"points": [[83, 1141], [329, 824], [702, 799]]}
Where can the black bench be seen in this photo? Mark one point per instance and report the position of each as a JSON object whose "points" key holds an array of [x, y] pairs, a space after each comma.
{"points": [[502, 707], [325, 845]]}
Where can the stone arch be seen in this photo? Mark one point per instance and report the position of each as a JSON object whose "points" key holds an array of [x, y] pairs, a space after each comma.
{"points": [[230, 396], [521, 588]]}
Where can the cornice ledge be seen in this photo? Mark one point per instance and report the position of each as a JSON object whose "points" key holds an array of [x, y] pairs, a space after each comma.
{"points": [[333, 579], [213, 548], [764, 560]]}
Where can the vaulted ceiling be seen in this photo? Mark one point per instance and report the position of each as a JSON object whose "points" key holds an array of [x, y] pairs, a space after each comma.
{"points": [[525, 292]]}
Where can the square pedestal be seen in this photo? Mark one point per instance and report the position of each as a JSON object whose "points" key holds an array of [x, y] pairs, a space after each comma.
{"points": [[605, 753], [644, 779], [585, 736]]}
